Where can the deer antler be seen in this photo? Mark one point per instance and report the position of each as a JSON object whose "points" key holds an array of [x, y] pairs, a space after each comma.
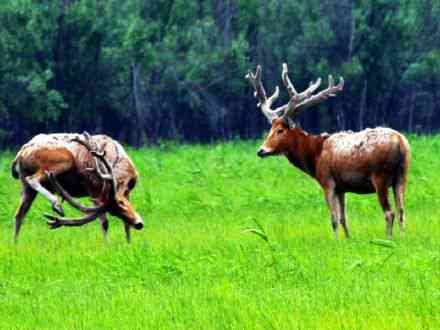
{"points": [[55, 222], [297, 102], [264, 103], [70, 199], [306, 99], [107, 173], [293, 94]]}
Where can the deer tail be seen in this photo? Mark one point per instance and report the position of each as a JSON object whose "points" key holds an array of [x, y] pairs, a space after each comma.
{"points": [[405, 152], [14, 169]]}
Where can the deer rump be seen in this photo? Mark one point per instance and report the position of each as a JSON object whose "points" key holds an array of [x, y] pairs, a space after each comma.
{"points": [[77, 165]]}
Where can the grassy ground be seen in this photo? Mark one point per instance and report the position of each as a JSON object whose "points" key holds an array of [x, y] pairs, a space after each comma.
{"points": [[195, 266]]}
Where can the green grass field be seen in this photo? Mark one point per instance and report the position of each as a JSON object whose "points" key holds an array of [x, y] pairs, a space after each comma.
{"points": [[195, 266]]}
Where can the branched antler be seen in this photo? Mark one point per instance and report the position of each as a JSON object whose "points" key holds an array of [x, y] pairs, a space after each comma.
{"points": [[55, 222], [293, 94], [105, 172], [264, 103], [64, 194], [297, 102], [306, 99]]}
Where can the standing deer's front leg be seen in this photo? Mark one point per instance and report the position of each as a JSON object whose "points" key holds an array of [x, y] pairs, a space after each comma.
{"points": [[333, 205], [343, 213], [127, 232], [104, 225]]}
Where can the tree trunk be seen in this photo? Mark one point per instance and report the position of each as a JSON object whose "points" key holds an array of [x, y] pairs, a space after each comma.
{"points": [[139, 106], [411, 110], [352, 30], [363, 105]]}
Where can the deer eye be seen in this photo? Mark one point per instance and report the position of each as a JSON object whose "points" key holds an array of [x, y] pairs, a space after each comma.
{"points": [[122, 205]]}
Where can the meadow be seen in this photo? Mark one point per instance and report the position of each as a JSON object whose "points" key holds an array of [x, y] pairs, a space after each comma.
{"points": [[230, 242]]}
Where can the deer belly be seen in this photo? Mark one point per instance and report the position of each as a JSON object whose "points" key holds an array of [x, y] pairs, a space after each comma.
{"points": [[72, 183], [353, 181]]}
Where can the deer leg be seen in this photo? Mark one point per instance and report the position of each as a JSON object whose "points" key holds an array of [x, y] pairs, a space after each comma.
{"points": [[399, 194], [343, 213], [382, 194], [27, 197], [127, 232], [333, 205], [35, 182], [104, 225]]}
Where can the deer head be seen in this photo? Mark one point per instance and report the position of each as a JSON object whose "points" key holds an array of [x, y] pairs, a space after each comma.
{"points": [[120, 206], [283, 118]]}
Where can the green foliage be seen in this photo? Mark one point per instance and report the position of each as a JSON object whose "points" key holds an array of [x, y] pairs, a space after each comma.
{"points": [[70, 65], [192, 267], [426, 69]]}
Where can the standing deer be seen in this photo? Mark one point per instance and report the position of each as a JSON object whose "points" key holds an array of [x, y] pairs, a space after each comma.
{"points": [[364, 162], [79, 166]]}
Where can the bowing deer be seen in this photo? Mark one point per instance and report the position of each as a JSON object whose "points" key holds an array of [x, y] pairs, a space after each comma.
{"points": [[369, 161], [75, 165]]}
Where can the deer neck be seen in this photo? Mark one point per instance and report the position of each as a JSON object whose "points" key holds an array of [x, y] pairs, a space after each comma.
{"points": [[304, 150]]}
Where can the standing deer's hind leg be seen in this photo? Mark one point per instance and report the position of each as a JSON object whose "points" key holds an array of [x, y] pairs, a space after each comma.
{"points": [[333, 205], [27, 197], [34, 181], [399, 192], [382, 193]]}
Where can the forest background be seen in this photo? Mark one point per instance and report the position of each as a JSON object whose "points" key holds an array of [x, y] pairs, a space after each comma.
{"points": [[142, 71]]}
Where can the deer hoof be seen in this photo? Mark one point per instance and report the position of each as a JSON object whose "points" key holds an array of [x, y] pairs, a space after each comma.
{"points": [[58, 208]]}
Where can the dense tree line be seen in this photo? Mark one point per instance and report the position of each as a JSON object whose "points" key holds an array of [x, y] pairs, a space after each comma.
{"points": [[173, 69]]}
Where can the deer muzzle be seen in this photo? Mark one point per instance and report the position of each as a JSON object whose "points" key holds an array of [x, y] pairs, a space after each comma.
{"points": [[264, 153], [138, 222]]}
